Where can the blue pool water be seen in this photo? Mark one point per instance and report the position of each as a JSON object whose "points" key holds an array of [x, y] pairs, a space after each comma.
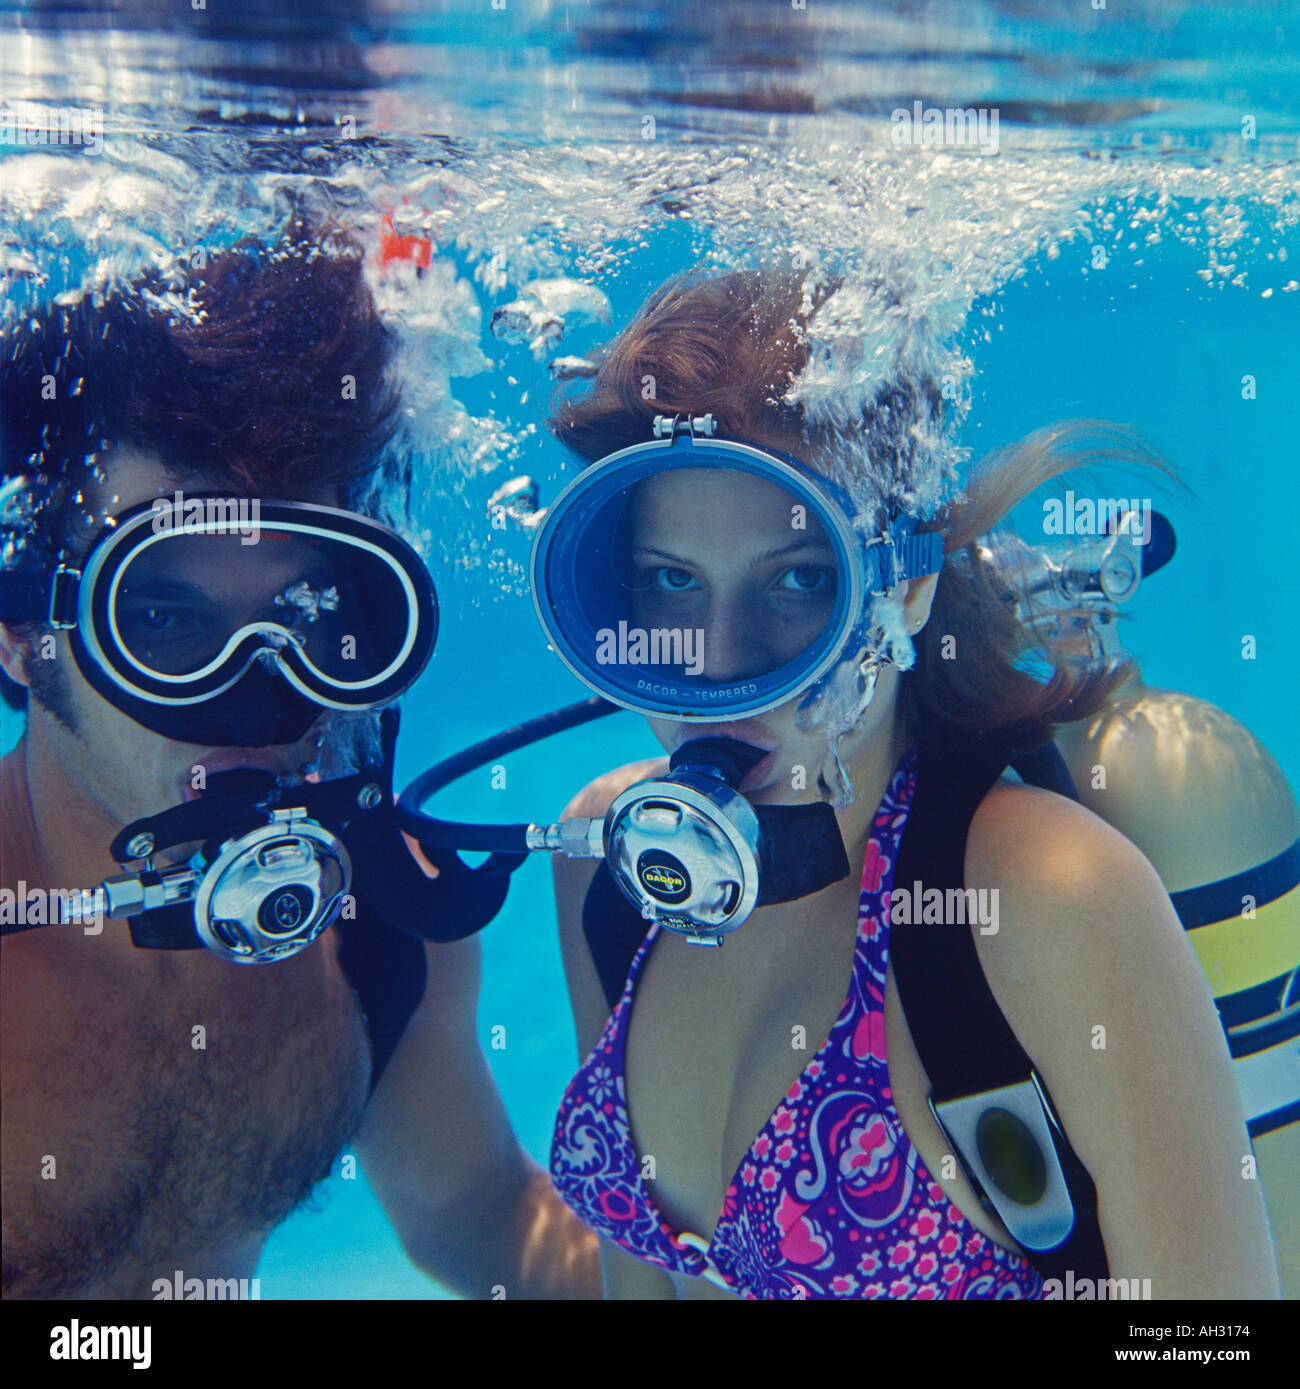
{"points": [[1167, 359], [516, 139]]}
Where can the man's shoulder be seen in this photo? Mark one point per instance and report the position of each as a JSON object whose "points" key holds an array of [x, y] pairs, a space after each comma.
{"points": [[597, 796]]}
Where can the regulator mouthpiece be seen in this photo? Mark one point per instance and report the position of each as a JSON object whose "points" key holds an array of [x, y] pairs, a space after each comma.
{"points": [[685, 848], [254, 892]]}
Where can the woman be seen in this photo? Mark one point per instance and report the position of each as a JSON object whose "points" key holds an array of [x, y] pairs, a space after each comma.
{"points": [[694, 1138]]}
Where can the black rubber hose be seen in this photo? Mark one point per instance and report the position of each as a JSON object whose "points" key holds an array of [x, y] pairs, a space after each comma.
{"points": [[500, 839]]}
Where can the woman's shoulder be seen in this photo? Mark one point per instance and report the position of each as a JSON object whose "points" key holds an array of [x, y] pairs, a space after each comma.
{"points": [[1081, 911], [1027, 839], [1098, 981]]}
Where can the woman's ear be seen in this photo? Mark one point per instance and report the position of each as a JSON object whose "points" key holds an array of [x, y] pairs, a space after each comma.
{"points": [[919, 600]]}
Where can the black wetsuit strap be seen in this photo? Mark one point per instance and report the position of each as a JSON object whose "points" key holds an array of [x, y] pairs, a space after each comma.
{"points": [[388, 971], [1044, 766], [614, 930], [946, 1000], [962, 1038]]}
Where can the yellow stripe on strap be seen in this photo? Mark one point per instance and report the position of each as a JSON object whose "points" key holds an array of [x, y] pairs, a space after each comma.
{"points": [[1239, 953]]}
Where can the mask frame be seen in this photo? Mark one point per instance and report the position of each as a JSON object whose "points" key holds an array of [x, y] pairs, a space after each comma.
{"points": [[867, 569], [262, 688]]}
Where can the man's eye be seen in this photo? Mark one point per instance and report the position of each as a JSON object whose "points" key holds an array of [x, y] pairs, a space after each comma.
{"points": [[157, 621]]}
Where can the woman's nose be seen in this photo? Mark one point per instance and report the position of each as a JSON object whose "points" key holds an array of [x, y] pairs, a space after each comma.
{"points": [[736, 644]]}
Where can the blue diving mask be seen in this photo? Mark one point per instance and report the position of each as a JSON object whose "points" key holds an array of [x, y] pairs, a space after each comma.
{"points": [[704, 579], [701, 580]]}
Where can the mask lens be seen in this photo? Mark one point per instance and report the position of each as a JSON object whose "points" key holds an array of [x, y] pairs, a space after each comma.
{"points": [[706, 592], [338, 604], [183, 599], [350, 613]]}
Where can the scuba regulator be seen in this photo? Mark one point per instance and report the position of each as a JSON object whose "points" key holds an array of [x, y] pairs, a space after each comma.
{"points": [[686, 849]]}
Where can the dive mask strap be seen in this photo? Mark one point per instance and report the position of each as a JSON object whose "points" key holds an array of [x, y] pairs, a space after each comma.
{"points": [[901, 554], [24, 596], [40, 596], [918, 552]]}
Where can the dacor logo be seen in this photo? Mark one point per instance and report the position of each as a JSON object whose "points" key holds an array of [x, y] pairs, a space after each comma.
{"points": [[664, 879], [285, 911]]}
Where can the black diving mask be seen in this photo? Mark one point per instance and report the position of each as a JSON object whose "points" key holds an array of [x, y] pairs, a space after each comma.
{"points": [[232, 622]]}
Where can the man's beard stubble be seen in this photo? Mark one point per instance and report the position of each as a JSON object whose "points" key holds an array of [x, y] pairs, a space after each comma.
{"points": [[47, 684]]}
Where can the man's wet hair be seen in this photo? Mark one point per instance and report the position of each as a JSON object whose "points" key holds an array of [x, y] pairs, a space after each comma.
{"points": [[265, 370]]}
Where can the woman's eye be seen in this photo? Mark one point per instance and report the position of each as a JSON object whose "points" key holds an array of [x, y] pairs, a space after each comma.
{"points": [[806, 578], [672, 580]]}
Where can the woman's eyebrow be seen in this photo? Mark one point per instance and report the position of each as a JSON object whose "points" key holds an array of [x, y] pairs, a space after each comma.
{"points": [[653, 552], [809, 543], [795, 547]]}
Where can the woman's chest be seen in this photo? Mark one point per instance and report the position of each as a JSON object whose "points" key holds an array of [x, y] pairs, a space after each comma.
{"points": [[713, 1054]]}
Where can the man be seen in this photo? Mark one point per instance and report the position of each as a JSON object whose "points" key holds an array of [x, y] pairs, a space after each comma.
{"points": [[165, 1108]]}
